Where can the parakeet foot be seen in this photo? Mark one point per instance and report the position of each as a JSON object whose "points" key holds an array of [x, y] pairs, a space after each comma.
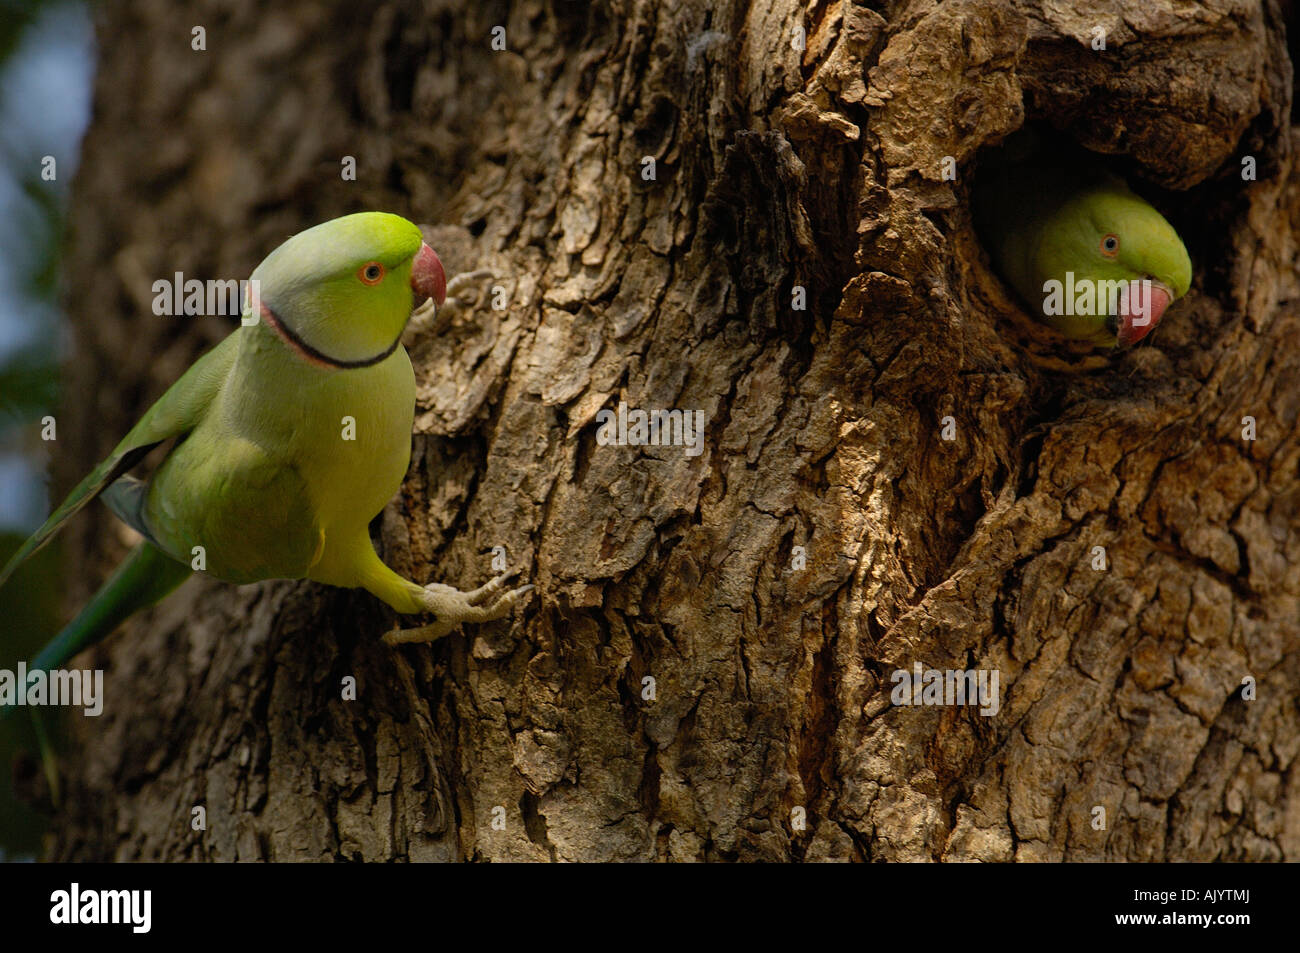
{"points": [[452, 607]]}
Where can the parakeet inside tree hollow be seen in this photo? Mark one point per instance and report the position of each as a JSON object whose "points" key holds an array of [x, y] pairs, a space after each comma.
{"points": [[1087, 255], [288, 438]]}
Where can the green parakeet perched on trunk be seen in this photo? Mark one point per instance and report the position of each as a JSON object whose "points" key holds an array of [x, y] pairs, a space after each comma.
{"points": [[290, 436], [1088, 256]]}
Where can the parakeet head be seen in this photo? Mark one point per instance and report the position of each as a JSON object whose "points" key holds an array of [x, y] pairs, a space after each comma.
{"points": [[1131, 256], [340, 293]]}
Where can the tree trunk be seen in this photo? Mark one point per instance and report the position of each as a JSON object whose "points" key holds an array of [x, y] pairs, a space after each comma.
{"points": [[705, 671]]}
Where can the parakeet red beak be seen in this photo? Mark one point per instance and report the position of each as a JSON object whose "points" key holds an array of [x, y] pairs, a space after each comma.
{"points": [[427, 277], [1141, 306]]}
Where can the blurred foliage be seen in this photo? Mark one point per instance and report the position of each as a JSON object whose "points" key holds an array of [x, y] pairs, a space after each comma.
{"points": [[47, 206], [15, 17], [29, 377], [28, 385], [29, 606], [29, 602]]}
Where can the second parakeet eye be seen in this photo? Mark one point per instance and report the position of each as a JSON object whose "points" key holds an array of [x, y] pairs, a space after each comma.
{"points": [[1110, 246], [371, 273]]}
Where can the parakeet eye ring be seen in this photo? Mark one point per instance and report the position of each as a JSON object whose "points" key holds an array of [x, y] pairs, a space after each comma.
{"points": [[1110, 245], [371, 273]]}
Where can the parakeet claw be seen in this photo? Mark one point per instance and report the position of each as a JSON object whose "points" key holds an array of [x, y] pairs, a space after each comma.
{"points": [[461, 280], [452, 607], [461, 294], [424, 312], [477, 597]]}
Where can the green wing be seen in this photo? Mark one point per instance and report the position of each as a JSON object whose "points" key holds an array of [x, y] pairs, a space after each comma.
{"points": [[175, 413]]}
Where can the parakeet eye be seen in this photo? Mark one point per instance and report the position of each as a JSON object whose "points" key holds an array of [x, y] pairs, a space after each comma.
{"points": [[371, 273], [1110, 246]]}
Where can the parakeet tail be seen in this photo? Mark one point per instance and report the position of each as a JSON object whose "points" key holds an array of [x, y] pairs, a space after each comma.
{"points": [[144, 578]]}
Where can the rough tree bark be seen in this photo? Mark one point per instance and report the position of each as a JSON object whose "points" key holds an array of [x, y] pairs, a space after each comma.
{"points": [[775, 167]]}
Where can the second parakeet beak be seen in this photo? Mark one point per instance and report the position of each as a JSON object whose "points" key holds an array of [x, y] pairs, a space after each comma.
{"points": [[428, 280]]}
